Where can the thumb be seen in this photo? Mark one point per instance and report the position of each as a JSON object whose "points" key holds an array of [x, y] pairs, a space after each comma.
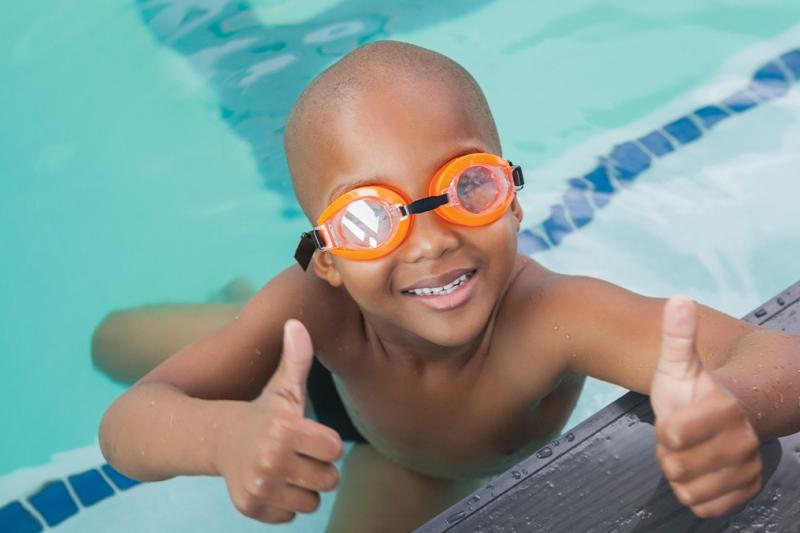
{"points": [[679, 366], [289, 379]]}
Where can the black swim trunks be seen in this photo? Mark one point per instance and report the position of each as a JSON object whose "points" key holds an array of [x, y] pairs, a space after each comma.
{"points": [[327, 404]]}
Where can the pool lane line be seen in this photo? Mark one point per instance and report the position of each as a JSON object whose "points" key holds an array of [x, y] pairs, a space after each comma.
{"points": [[626, 161], [57, 500]]}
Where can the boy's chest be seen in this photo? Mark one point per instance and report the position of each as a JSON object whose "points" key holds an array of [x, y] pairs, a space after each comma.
{"points": [[456, 427]]}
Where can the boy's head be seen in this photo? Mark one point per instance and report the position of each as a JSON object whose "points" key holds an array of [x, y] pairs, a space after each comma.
{"points": [[391, 114]]}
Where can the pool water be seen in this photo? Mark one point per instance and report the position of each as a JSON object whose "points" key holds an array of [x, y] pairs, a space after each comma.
{"points": [[142, 161]]}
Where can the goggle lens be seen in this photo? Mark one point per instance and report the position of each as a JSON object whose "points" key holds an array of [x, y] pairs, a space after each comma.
{"points": [[481, 188], [364, 224]]}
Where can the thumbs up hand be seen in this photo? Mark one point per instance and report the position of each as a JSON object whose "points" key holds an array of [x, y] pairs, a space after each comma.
{"points": [[706, 446], [274, 460]]}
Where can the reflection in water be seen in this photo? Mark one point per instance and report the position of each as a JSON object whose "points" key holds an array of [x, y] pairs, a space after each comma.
{"points": [[258, 70]]}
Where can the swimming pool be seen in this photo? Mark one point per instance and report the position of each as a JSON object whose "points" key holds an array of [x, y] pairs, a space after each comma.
{"points": [[133, 174]]}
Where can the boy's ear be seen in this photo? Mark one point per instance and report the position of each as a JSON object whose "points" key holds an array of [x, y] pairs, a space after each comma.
{"points": [[516, 210], [325, 269]]}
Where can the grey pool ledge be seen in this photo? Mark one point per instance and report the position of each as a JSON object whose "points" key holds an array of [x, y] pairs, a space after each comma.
{"points": [[602, 475]]}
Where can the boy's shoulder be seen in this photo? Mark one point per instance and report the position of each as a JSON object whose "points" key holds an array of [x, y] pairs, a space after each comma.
{"points": [[551, 322]]}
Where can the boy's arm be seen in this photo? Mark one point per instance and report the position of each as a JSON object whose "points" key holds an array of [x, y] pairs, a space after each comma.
{"points": [[705, 375], [615, 335], [165, 424]]}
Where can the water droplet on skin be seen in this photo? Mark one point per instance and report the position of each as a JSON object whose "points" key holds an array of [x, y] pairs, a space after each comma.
{"points": [[202, 439], [555, 327], [236, 317], [258, 351], [755, 388], [259, 482], [568, 336], [141, 452], [759, 415]]}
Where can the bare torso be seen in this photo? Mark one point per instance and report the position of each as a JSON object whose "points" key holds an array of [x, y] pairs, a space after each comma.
{"points": [[457, 422]]}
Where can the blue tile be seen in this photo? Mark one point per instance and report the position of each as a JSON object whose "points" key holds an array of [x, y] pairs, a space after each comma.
{"points": [[54, 503], [602, 185], [578, 183], [740, 101], [629, 161], [683, 130], [557, 225], [529, 243], [657, 143], [577, 203], [122, 481], [769, 82], [14, 518], [792, 61], [90, 487], [711, 115]]}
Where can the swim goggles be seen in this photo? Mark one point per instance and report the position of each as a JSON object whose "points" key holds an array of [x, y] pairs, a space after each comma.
{"points": [[370, 222]]}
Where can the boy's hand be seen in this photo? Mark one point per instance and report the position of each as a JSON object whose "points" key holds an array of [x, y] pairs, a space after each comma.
{"points": [[274, 460], [706, 445]]}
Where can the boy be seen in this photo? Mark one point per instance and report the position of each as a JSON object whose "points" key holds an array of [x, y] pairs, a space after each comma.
{"points": [[454, 356]]}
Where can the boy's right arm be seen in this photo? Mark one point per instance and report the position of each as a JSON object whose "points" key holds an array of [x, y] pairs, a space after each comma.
{"points": [[206, 410]]}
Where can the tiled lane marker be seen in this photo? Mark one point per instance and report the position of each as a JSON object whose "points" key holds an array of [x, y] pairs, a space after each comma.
{"points": [[629, 159], [58, 500]]}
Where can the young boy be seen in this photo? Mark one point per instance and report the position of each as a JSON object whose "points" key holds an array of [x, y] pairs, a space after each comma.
{"points": [[454, 355]]}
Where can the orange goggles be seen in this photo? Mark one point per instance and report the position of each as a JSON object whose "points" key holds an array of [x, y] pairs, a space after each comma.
{"points": [[370, 222]]}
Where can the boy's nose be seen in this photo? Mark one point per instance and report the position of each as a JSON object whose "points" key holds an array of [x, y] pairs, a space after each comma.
{"points": [[431, 237]]}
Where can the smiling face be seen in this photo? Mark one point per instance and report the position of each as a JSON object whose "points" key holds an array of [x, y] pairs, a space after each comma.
{"points": [[398, 132]]}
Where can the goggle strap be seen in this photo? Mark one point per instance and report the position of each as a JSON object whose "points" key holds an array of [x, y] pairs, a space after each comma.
{"points": [[424, 204], [309, 243], [516, 173]]}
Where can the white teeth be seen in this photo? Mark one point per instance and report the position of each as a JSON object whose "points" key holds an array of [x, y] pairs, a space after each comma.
{"points": [[445, 289]]}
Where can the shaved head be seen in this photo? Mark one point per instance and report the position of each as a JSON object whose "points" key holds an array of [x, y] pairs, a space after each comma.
{"points": [[388, 70]]}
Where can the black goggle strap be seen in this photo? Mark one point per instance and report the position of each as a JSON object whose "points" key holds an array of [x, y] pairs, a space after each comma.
{"points": [[516, 174], [423, 205], [310, 242]]}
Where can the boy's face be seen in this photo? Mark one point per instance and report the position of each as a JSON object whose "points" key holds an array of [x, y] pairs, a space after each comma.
{"points": [[399, 134]]}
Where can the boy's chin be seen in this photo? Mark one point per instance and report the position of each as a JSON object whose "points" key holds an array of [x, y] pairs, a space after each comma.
{"points": [[451, 333]]}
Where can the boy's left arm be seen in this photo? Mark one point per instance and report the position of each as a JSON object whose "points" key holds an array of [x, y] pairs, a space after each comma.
{"points": [[718, 385]]}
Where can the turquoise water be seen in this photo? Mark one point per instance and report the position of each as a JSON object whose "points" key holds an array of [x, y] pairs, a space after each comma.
{"points": [[132, 173]]}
